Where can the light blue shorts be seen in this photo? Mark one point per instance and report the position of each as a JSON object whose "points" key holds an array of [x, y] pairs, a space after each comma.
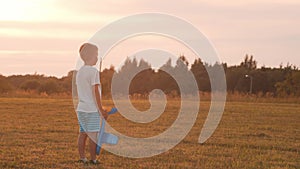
{"points": [[88, 122]]}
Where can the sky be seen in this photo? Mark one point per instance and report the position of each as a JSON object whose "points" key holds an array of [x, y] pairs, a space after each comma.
{"points": [[44, 36]]}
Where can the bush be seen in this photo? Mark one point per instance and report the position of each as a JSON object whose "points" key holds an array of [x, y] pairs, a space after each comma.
{"points": [[30, 85], [5, 86], [49, 87]]}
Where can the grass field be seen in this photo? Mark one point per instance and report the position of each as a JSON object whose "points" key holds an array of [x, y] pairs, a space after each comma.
{"points": [[42, 133]]}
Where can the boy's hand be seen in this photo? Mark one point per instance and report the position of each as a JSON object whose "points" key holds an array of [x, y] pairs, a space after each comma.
{"points": [[104, 114]]}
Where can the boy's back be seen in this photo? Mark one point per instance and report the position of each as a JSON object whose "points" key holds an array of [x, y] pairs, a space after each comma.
{"points": [[86, 78]]}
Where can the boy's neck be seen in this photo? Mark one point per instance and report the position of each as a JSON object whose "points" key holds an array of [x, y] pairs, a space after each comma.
{"points": [[88, 64]]}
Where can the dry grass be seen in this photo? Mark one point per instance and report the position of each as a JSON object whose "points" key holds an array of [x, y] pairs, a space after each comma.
{"points": [[42, 133]]}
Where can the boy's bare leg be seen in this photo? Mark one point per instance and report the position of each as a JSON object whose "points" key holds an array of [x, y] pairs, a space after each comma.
{"points": [[93, 144], [81, 144]]}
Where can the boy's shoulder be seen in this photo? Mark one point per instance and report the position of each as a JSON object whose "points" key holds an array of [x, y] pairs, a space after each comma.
{"points": [[88, 68]]}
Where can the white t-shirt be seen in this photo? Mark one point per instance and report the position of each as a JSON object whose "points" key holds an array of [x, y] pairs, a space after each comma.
{"points": [[86, 78]]}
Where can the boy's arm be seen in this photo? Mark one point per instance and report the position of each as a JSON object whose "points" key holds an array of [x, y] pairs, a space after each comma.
{"points": [[99, 101]]}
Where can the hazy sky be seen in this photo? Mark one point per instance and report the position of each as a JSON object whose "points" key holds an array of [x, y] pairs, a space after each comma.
{"points": [[44, 36]]}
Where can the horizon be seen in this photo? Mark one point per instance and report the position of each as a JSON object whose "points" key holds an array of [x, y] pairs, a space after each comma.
{"points": [[173, 63]]}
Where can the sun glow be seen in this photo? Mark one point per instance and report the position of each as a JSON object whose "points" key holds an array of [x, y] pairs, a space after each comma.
{"points": [[24, 10]]}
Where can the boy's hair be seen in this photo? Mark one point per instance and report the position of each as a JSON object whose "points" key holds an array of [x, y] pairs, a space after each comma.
{"points": [[85, 49]]}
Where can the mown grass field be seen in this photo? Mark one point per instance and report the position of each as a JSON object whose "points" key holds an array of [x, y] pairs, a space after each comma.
{"points": [[42, 133]]}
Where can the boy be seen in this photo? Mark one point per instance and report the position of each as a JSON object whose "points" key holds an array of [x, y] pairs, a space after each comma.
{"points": [[89, 108]]}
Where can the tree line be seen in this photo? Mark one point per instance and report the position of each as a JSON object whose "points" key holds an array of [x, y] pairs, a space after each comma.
{"points": [[243, 78]]}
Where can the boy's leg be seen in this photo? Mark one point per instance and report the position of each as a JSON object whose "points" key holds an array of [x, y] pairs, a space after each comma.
{"points": [[81, 144], [93, 144]]}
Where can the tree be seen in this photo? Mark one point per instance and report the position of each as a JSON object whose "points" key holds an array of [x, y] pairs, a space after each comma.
{"points": [[290, 86], [106, 79], [199, 70], [65, 83], [184, 77], [249, 63], [164, 80], [5, 85], [50, 87], [30, 85]]}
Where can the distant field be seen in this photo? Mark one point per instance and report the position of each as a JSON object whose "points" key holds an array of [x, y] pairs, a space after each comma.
{"points": [[42, 133]]}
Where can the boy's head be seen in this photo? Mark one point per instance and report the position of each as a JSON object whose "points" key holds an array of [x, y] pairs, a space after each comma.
{"points": [[89, 53]]}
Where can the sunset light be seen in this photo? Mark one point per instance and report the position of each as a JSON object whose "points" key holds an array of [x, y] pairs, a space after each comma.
{"points": [[19, 10], [164, 84], [44, 27]]}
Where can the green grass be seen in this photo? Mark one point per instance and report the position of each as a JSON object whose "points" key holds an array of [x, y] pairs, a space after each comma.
{"points": [[42, 133]]}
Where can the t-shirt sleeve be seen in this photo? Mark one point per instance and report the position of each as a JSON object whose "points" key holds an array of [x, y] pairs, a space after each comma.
{"points": [[96, 78]]}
